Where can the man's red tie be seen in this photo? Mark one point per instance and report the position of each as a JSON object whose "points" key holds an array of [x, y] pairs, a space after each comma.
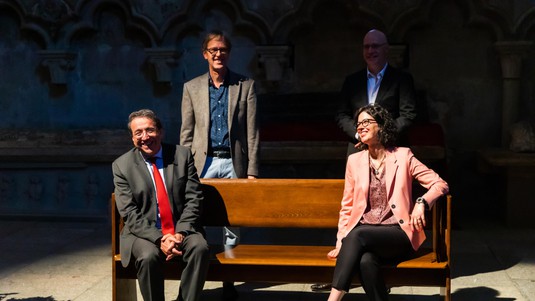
{"points": [[166, 216]]}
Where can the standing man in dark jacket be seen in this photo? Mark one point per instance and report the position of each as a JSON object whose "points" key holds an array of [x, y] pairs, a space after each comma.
{"points": [[378, 83]]}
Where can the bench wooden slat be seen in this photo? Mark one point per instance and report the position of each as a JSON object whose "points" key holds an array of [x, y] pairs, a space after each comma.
{"points": [[274, 201], [281, 255]]}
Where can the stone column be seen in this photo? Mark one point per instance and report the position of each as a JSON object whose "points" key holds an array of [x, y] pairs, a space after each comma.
{"points": [[511, 55], [275, 60], [162, 59]]}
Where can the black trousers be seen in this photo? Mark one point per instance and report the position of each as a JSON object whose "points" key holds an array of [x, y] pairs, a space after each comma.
{"points": [[149, 260], [363, 251]]}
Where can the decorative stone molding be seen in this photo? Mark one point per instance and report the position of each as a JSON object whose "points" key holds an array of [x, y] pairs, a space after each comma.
{"points": [[19, 147], [58, 63], [274, 59], [161, 60], [53, 13], [511, 55]]}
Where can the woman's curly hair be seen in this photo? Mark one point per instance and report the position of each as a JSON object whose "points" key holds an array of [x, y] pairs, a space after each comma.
{"points": [[387, 126]]}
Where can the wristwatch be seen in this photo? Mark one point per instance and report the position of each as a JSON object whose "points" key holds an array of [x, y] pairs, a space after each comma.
{"points": [[421, 200]]}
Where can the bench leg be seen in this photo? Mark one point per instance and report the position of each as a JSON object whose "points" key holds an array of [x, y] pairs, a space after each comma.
{"points": [[448, 289], [125, 290], [445, 291]]}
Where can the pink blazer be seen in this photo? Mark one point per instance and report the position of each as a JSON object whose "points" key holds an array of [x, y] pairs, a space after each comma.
{"points": [[401, 168]]}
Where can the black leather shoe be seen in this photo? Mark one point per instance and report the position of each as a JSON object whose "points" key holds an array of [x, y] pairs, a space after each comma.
{"points": [[320, 287], [229, 292]]}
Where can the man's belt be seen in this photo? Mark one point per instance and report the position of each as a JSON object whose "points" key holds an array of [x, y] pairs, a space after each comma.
{"points": [[222, 154]]}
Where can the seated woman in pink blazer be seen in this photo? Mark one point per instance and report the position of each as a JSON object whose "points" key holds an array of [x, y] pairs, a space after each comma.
{"points": [[378, 220]]}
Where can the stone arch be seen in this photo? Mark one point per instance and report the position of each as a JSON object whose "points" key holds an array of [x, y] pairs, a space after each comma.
{"points": [[31, 30], [320, 33], [90, 11], [299, 20], [240, 21], [485, 17], [526, 25], [185, 33]]}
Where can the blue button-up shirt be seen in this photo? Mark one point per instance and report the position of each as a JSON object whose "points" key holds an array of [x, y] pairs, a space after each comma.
{"points": [[374, 82], [219, 131]]}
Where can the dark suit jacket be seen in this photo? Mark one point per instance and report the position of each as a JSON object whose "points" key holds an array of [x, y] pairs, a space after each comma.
{"points": [[242, 123], [396, 94], [135, 195]]}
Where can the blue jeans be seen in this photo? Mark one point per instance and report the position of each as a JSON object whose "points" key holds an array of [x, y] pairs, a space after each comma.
{"points": [[221, 168]]}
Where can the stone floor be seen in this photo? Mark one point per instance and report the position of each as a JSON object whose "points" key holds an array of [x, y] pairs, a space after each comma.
{"points": [[59, 261]]}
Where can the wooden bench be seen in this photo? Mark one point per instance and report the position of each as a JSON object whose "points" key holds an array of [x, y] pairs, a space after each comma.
{"points": [[290, 203]]}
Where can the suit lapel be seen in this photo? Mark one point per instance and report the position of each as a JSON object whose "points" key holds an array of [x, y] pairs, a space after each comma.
{"points": [[168, 156], [141, 165], [386, 82], [234, 89], [168, 165], [201, 88], [391, 165], [363, 172], [361, 90]]}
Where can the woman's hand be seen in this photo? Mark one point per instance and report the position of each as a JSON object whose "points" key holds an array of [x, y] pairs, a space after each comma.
{"points": [[417, 221], [333, 253]]}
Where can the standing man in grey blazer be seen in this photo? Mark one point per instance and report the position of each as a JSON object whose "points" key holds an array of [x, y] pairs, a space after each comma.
{"points": [[378, 83], [150, 236], [219, 123]]}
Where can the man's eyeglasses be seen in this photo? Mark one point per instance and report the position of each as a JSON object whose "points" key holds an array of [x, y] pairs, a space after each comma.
{"points": [[140, 133], [213, 51], [365, 122], [372, 46]]}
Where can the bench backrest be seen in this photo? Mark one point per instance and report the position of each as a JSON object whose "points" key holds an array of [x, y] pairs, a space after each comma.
{"points": [[287, 203]]}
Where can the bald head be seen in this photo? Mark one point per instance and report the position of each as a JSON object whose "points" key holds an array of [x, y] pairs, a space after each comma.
{"points": [[375, 50], [376, 35]]}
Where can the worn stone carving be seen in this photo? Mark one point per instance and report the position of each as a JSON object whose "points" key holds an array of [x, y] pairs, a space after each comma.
{"points": [[523, 137], [35, 189], [58, 63], [91, 189], [62, 189]]}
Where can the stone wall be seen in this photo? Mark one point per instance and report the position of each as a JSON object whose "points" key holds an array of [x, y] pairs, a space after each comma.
{"points": [[72, 70]]}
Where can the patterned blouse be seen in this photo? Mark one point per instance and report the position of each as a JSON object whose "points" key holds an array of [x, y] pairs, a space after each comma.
{"points": [[377, 210]]}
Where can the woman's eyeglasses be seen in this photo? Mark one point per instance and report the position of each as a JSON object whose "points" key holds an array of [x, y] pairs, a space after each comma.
{"points": [[365, 122]]}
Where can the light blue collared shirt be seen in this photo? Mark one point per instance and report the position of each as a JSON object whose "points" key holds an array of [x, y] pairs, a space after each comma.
{"points": [[374, 82]]}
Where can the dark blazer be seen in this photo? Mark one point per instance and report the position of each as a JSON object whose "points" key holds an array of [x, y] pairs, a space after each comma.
{"points": [[396, 94], [135, 195], [242, 123]]}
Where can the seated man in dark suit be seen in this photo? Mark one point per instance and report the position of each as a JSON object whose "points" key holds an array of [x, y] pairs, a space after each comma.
{"points": [[158, 194]]}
